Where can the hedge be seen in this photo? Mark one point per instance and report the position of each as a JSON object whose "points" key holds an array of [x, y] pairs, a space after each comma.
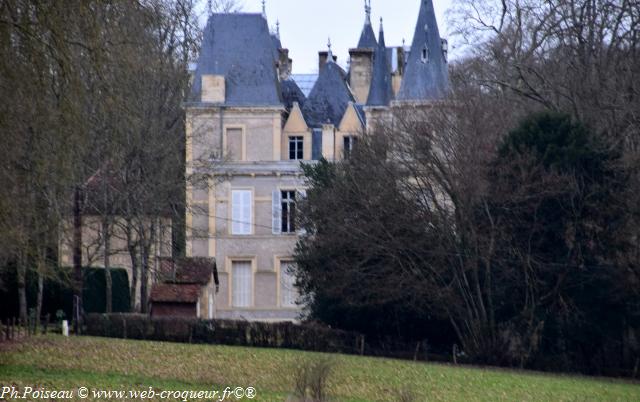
{"points": [[288, 335]]}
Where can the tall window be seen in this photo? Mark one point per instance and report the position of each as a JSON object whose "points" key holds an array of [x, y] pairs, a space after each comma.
{"points": [[288, 291], [350, 143], [241, 277], [288, 212], [296, 150], [241, 212]]}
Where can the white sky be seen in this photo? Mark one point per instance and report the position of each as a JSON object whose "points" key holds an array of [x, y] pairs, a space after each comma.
{"points": [[305, 25]]}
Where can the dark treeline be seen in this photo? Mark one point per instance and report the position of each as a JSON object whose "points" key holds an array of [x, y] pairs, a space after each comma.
{"points": [[503, 219]]}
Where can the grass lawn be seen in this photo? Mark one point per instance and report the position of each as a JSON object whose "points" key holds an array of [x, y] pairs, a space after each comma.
{"points": [[56, 363]]}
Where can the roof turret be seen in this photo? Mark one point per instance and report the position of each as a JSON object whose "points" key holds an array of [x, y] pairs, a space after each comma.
{"points": [[329, 97], [367, 37], [426, 75], [381, 90]]}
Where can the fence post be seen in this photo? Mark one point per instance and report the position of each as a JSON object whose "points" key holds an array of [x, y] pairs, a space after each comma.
{"points": [[415, 354], [13, 328], [361, 345]]}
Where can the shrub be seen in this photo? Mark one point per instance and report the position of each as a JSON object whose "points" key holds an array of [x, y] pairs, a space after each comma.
{"points": [[311, 380]]}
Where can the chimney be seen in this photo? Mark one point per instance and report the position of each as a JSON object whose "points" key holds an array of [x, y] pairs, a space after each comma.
{"points": [[361, 73], [285, 64], [322, 58]]}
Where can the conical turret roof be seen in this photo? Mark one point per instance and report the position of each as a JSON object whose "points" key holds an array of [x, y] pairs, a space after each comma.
{"points": [[381, 91], [426, 75]]}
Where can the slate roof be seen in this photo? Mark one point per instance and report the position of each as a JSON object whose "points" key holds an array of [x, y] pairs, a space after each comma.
{"points": [[291, 92], [425, 80], [367, 37], [329, 97], [361, 114], [305, 82], [197, 271], [381, 91], [175, 293], [240, 47]]}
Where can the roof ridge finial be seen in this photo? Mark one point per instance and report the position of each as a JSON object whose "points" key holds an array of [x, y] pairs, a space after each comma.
{"points": [[264, 9], [329, 53], [210, 7], [278, 28], [381, 26], [367, 10]]}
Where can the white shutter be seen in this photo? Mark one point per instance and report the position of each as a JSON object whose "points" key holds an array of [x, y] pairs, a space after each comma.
{"points": [[288, 292], [241, 212], [242, 283], [302, 195], [247, 212], [236, 212], [276, 212]]}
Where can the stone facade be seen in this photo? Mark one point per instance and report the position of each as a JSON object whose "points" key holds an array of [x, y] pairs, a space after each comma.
{"points": [[249, 126]]}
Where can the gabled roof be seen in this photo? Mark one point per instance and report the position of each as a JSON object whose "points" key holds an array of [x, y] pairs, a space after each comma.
{"points": [[175, 293], [352, 120], [239, 47], [329, 97], [197, 271], [381, 91], [367, 37], [426, 75]]}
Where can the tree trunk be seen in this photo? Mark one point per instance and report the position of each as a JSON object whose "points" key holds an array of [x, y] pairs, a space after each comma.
{"points": [[22, 289], [133, 254], [77, 244], [144, 268], [40, 294], [146, 245], [107, 267]]}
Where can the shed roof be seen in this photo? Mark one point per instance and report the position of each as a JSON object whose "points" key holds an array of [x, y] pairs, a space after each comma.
{"points": [[175, 293], [195, 270]]}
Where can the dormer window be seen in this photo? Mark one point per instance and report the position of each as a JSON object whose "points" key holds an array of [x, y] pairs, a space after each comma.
{"points": [[445, 49], [425, 54]]}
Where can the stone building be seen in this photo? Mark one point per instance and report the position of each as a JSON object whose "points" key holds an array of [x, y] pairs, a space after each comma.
{"points": [[249, 126]]}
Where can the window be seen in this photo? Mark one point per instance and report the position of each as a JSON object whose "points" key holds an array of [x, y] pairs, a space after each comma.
{"points": [[350, 143], [288, 203], [241, 212], [296, 148], [241, 277], [425, 54], [284, 210], [288, 291]]}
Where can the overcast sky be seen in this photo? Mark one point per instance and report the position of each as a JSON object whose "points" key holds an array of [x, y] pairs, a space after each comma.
{"points": [[305, 25]]}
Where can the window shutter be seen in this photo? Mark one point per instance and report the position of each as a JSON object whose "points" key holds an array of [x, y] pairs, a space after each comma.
{"points": [[276, 212], [302, 195], [242, 273], [247, 212], [236, 212], [241, 213]]}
